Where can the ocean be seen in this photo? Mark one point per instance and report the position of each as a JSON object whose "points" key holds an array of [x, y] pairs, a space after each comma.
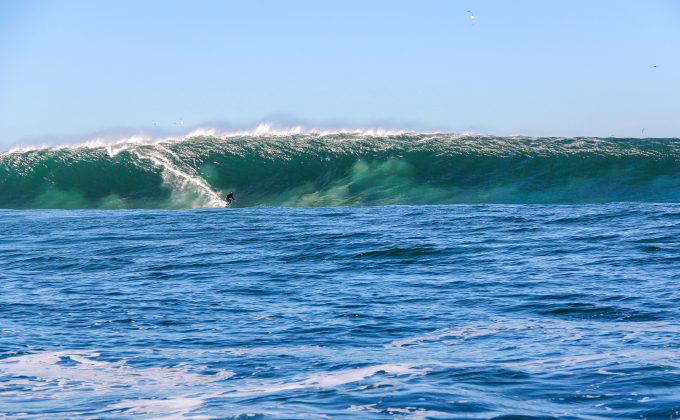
{"points": [[355, 276]]}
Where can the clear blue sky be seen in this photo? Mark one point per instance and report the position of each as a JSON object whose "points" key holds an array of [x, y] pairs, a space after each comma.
{"points": [[69, 68]]}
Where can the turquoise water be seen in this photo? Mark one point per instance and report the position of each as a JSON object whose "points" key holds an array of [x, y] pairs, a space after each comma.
{"points": [[428, 311], [322, 170]]}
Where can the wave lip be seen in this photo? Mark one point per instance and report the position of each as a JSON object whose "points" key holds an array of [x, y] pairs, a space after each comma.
{"points": [[310, 169]]}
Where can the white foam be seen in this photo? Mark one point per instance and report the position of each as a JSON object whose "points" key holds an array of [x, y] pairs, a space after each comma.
{"points": [[167, 408], [328, 379], [178, 390], [411, 412], [261, 130], [668, 357], [642, 328], [186, 403], [564, 331], [460, 334], [606, 372], [266, 129], [182, 181], [560, 361], [84, 371]]}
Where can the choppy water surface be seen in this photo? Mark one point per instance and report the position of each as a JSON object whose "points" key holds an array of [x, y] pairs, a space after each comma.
{"points": [[427, 311]]}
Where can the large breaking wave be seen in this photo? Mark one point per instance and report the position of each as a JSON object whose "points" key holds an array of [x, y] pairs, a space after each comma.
{"points": [[341, 169]]}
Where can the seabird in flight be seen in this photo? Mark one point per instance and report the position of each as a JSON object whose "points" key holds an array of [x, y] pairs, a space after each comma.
{"points": [[472, 16]]}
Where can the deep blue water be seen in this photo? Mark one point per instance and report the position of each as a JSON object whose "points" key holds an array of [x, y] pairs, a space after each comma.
{"points": [[569, 311]]}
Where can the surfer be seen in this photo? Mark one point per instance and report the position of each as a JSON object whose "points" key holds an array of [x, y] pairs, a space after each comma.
{"points": [[230, 198]]}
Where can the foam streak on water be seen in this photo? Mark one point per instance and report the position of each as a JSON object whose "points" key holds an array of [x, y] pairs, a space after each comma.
{"points": [[451, 311]]}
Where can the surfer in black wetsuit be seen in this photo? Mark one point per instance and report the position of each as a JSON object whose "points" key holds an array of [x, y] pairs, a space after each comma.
{"points": [[230, 198]]}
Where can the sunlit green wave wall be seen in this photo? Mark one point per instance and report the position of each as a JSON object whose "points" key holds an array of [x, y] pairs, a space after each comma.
{"points": [[342, 169]]}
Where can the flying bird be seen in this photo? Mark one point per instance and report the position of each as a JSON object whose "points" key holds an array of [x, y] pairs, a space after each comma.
{"points": [[472, 16]]}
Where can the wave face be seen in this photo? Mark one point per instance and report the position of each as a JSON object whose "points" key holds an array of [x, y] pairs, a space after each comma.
{"points": [[308, 170]]}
